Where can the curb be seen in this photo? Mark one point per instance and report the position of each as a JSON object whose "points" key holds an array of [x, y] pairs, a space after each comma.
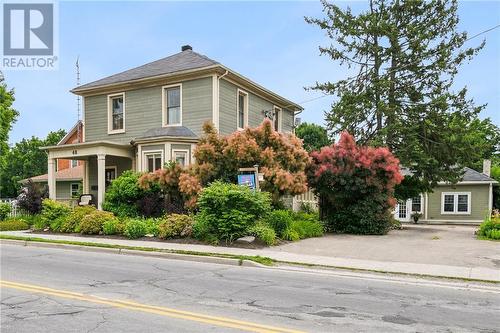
{"points": [[154, 254]]}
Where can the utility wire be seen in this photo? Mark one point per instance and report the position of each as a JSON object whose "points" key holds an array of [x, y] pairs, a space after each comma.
{"points": [[406, 65]]}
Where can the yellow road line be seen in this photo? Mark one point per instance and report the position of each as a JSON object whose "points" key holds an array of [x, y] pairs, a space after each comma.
{"points": [[163, 311]]}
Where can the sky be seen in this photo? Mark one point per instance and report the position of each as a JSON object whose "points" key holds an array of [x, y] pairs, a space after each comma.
{"points": [[268, 42]]}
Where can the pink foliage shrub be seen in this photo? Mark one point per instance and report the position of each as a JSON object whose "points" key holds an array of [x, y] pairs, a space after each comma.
{"points": [[355, 185]]}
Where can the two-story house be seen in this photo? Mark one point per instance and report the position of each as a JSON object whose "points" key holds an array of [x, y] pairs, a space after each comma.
{"points": [[143, 117]]}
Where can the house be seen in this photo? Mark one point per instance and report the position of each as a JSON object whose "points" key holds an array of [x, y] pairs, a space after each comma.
{"points": [[69, 172], [145, 116], [467, 202]]}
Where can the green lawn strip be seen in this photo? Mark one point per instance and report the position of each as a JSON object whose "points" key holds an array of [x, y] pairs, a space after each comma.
{"points": [[487, 239], [258, 259]]}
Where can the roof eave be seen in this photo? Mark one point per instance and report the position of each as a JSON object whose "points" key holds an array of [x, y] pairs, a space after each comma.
{"points": [[85, 144], [165, 138], [82, 91]]}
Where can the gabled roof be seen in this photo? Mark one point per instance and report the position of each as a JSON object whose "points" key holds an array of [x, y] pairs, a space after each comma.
{"points": [[69, 174], [181, 61], [178, 66], [72, 131]]}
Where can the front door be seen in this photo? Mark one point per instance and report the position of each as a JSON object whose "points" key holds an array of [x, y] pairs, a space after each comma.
{"points": [[110, 174], [402, 212]]}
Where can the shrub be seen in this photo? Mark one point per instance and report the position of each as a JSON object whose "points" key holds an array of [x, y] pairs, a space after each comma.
{"points": [[175, 226], [92, 223], [265, 233], [31, 197], [291, 235], [72, 221], [169, 181], [54, 213], [135, 228], [281, 158], [307, 228], [490, 228], [113, 227], [280, 220], [355, 185], [202, 231], [124, 197], [13, 224], [32, 219], [4, 210], [229, 210]]}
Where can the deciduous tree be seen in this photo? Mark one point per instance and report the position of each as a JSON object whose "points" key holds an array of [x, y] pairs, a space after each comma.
{"points": [[313, 136]]}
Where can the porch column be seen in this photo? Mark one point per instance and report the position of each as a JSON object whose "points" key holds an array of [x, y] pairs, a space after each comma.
{"points": [[101, 180], [86, 177], [51, 179]]}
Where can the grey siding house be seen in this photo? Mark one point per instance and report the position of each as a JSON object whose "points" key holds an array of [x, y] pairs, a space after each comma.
{"points": [[145, 116], [466, 202]]}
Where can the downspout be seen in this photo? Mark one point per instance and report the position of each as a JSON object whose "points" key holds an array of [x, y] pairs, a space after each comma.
{"points": [[218, 98]]}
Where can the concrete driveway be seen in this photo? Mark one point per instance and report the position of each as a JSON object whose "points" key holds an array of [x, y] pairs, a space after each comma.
{"points": [[424, 244]]}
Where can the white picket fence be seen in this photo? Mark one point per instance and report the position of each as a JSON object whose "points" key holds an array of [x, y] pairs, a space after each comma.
{"points": [[15, 210], [307, 198]]}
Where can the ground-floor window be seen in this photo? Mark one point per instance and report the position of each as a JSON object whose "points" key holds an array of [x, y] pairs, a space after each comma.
{"points": [[180, 157], [153, 161], [455, 203], [75, 190], [416, 204]]}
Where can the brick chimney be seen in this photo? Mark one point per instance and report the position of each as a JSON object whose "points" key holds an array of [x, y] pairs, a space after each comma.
{"points": [[487, 167]]}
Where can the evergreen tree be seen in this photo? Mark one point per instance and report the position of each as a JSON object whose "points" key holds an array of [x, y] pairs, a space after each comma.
{"points": [[406, 55]]}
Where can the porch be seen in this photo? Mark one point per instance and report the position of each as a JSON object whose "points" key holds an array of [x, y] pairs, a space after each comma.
{"points": [[104, 161]]}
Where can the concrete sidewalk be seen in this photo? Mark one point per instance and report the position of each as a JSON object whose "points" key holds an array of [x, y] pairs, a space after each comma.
{"points": [[463, 272]]}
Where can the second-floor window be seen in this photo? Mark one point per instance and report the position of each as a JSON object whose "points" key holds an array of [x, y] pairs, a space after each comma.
{"points": [[116, 116], [277, 119], [173, 105], [74, 163], [242, 109]]}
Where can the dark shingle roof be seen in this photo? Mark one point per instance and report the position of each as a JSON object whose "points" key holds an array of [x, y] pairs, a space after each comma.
{"points": [[181, 61], [471, 175], [173, 131]]}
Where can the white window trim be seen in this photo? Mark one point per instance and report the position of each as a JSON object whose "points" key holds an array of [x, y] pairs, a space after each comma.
{"points": [[279, 111], [71, 189], [455, 203], [151, 152], [110, 117], [186, 151], [245, 110], [421, 205], [164, 105]]}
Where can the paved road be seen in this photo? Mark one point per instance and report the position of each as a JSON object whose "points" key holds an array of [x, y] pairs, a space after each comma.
{"points": [[214, 295]]}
